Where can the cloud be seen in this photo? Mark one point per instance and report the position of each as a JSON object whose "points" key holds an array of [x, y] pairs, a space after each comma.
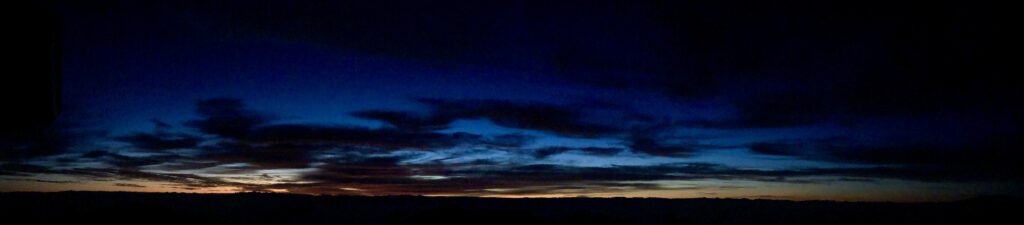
{"points": [[993, 159], [507, 140], [262, 156], [129, 185], [226, 117], [21, 169], [298, 146], [387, 175], [94, 154], [123, 161], [160, 140], [550, 118], [596, 151], [30, 142], [120, 174], [366, 170], [360, 160], [356, 136], [654, 140], [407, 120], [533, 116], [657, 147], [249, 137]]}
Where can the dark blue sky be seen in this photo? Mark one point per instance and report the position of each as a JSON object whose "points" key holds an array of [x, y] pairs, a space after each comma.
{"points": [[796, 100]]}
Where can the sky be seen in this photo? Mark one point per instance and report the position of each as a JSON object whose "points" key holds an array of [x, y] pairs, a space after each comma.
{"points": [[852, 101]]}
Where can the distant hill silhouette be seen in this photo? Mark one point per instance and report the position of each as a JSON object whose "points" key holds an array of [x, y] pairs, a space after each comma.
{"points": [[257, 208]]}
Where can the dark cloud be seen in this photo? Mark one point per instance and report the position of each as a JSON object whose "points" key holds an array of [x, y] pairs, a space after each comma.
{"points": [[94, 154], [181, 180], [229, 118], [387, 175], [159, 124], [534, 116], [187, 180], [545, 152], [364, 170], [379, 175], [160, 140], [226, 117], [128, 185], [597, 151], [563, 120], [262, 156], [994, 158], [657, 147], [42, 180], [356, 136], [261, 144], [298, 146], [600, 151], [654, 140], [29, 142], [21, 169], [124, 161], [507, 141], [787, 147], [407, 120], [247, 137]]}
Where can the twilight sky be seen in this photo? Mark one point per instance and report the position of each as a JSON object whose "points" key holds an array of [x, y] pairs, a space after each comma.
{"points": [[782, 100]]}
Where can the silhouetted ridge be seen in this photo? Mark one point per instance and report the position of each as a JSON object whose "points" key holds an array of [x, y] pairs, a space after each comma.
{"points": [[266, 208]]}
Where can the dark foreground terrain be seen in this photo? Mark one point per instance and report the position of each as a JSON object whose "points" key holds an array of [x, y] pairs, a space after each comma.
{"points": [[166, 208]]}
